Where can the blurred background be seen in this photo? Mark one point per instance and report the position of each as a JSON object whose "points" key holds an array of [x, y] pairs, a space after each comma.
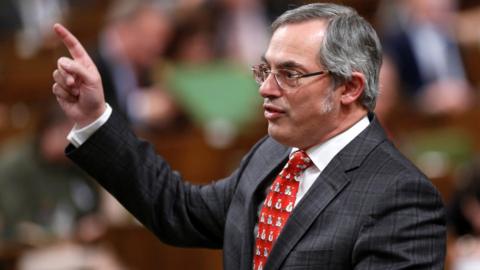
{"points": [[179, 72]]}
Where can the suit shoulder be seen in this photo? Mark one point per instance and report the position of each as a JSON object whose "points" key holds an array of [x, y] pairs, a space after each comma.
{"points": [[388, 160]]}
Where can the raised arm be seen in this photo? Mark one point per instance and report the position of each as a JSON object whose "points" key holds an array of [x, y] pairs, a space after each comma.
{"points": [[78, 85]]}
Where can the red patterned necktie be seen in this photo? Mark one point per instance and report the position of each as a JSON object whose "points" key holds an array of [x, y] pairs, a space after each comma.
{"points": [[278, 205]]}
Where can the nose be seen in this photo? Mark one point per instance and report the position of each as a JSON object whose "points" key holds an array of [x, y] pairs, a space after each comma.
{"points": [[270, 87]]}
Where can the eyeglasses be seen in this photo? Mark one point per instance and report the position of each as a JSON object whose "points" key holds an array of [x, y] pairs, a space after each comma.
{"points": [[286, 79]]}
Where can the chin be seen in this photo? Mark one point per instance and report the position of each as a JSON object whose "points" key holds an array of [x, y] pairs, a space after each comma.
{"points": [[281, 135]]}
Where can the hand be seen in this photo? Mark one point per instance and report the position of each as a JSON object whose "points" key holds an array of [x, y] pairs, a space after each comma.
{"points": [[78, 85]]}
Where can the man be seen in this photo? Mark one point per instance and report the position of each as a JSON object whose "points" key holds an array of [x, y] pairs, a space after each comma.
{"points": [[422, 46], [125, 64], [358, 204]]}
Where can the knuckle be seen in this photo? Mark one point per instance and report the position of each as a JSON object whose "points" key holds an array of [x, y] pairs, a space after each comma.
{"points": [[63, 62], [97, 80], [55, 89]]}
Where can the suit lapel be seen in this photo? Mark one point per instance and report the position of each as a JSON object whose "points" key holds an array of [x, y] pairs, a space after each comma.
{"points": [[327, 186]]}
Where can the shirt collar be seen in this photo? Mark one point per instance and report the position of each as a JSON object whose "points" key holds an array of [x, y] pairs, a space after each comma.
{"points": [[322, 154]]}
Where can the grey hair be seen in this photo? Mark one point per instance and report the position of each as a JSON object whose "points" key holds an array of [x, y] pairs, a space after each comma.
{"points": [[125, 10], [350, 44]]}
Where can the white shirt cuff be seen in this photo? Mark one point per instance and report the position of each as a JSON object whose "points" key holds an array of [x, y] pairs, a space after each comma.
{"points": [[77, 136]]}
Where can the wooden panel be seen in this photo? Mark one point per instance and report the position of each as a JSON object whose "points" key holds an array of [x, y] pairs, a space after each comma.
{"points": [[138, 249]]}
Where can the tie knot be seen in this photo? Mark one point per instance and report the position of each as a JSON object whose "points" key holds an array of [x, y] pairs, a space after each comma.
{"points": [[299, 161]]}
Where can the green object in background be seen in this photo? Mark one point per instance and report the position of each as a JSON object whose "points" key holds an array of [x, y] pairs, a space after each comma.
{"points": [[214, 91], [438, 152]]}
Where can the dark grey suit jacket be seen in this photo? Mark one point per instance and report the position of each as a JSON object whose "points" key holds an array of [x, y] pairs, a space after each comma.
{"points": [[369, 209]]}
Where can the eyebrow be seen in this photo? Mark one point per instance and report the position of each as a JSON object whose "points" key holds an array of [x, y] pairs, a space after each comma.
{"points": [[286, 64]]}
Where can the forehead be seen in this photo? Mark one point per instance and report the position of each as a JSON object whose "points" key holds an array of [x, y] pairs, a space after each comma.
{"points": [[298, 43]]}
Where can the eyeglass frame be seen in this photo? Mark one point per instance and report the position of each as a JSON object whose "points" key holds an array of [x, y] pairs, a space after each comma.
{"points": [[297, 76]]}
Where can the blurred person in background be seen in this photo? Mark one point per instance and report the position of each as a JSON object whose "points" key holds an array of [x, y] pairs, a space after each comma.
{"points": [[240, 23], [194, 33], [387, 95], [28, 22], [42, 196], [214, 89], [132, 42], [10, 20], [49, 209], [464, 219], [419, 37]]}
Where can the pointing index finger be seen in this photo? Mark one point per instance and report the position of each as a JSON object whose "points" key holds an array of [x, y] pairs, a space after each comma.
{"points": [[73, 45]]}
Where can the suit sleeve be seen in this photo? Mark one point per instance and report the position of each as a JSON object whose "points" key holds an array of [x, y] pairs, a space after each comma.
{"points": [[406, 229], [178, 212]]}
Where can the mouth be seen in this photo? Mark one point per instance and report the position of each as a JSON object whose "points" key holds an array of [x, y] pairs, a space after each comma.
{"points": [[272, 112]]}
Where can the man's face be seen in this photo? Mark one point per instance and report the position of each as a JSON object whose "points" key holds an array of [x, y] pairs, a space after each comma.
{"points": [[150, 32], [306, 115]]}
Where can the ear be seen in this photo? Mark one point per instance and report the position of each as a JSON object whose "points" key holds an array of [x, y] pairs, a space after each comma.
{"points": [[353, 89]]}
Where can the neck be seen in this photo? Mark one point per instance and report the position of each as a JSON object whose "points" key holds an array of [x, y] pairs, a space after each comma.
{"points": [[345, 120]]}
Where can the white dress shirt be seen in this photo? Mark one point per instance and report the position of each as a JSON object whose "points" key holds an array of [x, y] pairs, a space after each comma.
{"points": [[323, 153], [77, 136]]}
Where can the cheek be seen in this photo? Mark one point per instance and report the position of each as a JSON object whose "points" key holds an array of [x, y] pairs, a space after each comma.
{"points": [[302, 111], [314, 113], [308, 104]]}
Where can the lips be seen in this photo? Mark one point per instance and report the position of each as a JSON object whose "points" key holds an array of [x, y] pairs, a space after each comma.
{"points": [[272, 112]]}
